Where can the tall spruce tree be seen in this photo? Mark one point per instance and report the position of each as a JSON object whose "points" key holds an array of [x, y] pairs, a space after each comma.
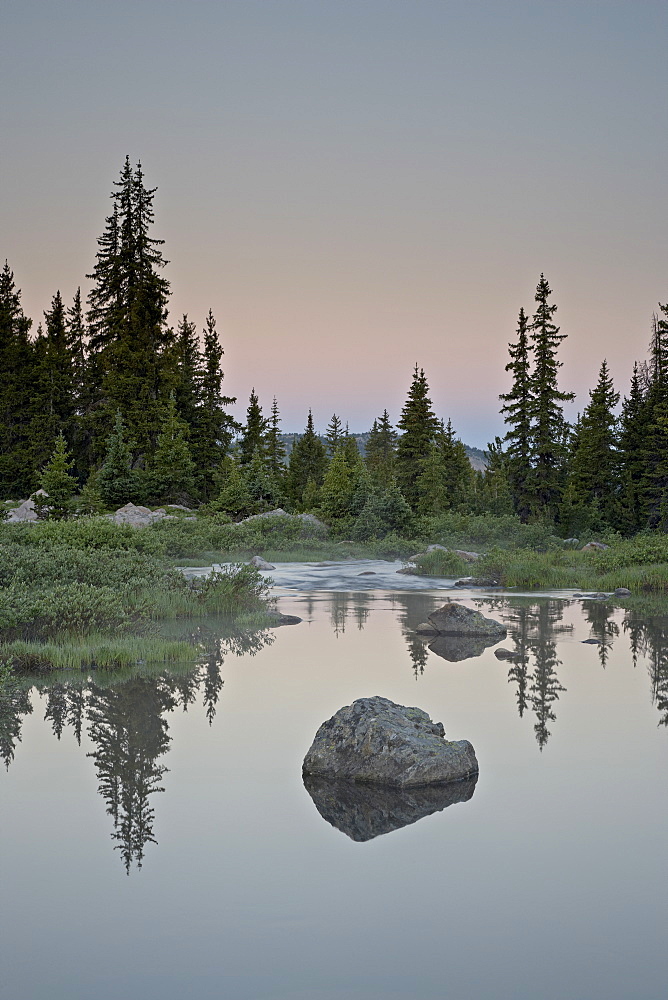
{"points": [[116, 481], [253, 434], [18, 475], [632, 438], [548, 427], [53, 383], [516, 410], [592, 493], [419, 426], [127, 317], [274, 447], [654, 483], [214, 427], [187, 375]]}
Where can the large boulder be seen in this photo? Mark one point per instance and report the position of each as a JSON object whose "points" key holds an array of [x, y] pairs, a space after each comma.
{"points": [[594, 547], [376, 741], [455, 619], [363, 812]]}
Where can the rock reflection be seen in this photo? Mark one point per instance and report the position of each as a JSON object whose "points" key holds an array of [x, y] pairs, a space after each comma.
{"points": [[460, 647], [363, 812]]}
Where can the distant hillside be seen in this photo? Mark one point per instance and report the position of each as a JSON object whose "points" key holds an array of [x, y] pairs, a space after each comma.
{"points": [[477, 457]]}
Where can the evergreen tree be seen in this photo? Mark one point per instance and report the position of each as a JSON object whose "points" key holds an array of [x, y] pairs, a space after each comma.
{"points": [[116, 480], [419, 425], [52, 384], [380, 452], [654, 483], [633, 435], [333, 435], [214, 427], [234, 497], [82, 386], [593, 486], [264, 490], [17, 471], [253, 434], [58, 483], [76, 346], [187, 376], [173, 468], [446, 479], [517, 411], [308, 462], [127, 315], [548, 428], [275, 449]]}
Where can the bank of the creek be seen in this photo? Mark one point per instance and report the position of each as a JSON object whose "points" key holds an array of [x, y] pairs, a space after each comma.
{"points": [[158, 839]]}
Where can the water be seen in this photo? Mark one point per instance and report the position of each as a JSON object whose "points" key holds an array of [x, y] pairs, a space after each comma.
{"points": [[176, 852]]}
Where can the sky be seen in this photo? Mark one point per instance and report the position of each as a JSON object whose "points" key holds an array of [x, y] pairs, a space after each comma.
{"points": [[354, 187]]}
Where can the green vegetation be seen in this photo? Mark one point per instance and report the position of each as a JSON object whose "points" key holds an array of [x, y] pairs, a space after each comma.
{"points": [[90, 593]]}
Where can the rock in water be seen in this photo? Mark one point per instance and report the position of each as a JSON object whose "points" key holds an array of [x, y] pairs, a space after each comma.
{"points": [[455, 619], [363, 812], [375, 741], [261, 563]]}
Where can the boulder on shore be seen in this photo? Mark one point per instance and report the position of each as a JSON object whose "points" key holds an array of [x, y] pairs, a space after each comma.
{"points": [[376, 741], [594, 547], [24, 512], [363, 812], [455, 619]]}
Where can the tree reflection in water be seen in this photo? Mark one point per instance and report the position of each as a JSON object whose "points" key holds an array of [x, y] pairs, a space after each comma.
{"points": [[125, 717], [648, 634]]}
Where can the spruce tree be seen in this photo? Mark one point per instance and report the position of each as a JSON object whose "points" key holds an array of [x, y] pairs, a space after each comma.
{"points": [[333, 435], [58, 483], [129, 336], [17, 357], [593, 488], [380, 451], [253, 434], [419, 426], [187, 375], [53, 383], [275, 449], [116, 480], [214, 426], [633, 435], [308, 463], [654, 483], [517, 411], [548, 427], [173, 470]]}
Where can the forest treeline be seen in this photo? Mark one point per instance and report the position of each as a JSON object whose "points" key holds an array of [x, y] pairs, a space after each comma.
{"points": [[107, 402]]}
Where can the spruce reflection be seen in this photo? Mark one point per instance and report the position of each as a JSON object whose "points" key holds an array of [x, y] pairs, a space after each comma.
{"points": [[125, 717], [649, 638], [534, 628]]}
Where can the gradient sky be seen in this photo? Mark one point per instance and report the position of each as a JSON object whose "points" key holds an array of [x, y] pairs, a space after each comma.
{"points": [[354, 187]]}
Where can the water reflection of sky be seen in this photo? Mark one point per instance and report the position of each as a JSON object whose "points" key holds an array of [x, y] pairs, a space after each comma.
{"points": [[545, 883]]}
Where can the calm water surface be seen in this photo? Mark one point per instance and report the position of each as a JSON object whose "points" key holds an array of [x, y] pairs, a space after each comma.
{"points": [[158, 841]]}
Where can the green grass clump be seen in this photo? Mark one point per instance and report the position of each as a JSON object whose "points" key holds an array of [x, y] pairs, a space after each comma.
{"points": [[93, 652], [440, 563]]}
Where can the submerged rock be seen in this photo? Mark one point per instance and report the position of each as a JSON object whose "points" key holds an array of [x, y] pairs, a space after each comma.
{"points": [[455, 619], [376, 741], [276, 619], [363, 812], [505, 654]]}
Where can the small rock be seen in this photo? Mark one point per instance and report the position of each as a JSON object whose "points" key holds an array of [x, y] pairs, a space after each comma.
{"points": [[277, 619], [376, 741], [476, 581], [367, 572], [455, 619], [436, 548], [573, 542], [591, 642], [594, 547], [622, 592], [261, 563], [407, 571]]}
